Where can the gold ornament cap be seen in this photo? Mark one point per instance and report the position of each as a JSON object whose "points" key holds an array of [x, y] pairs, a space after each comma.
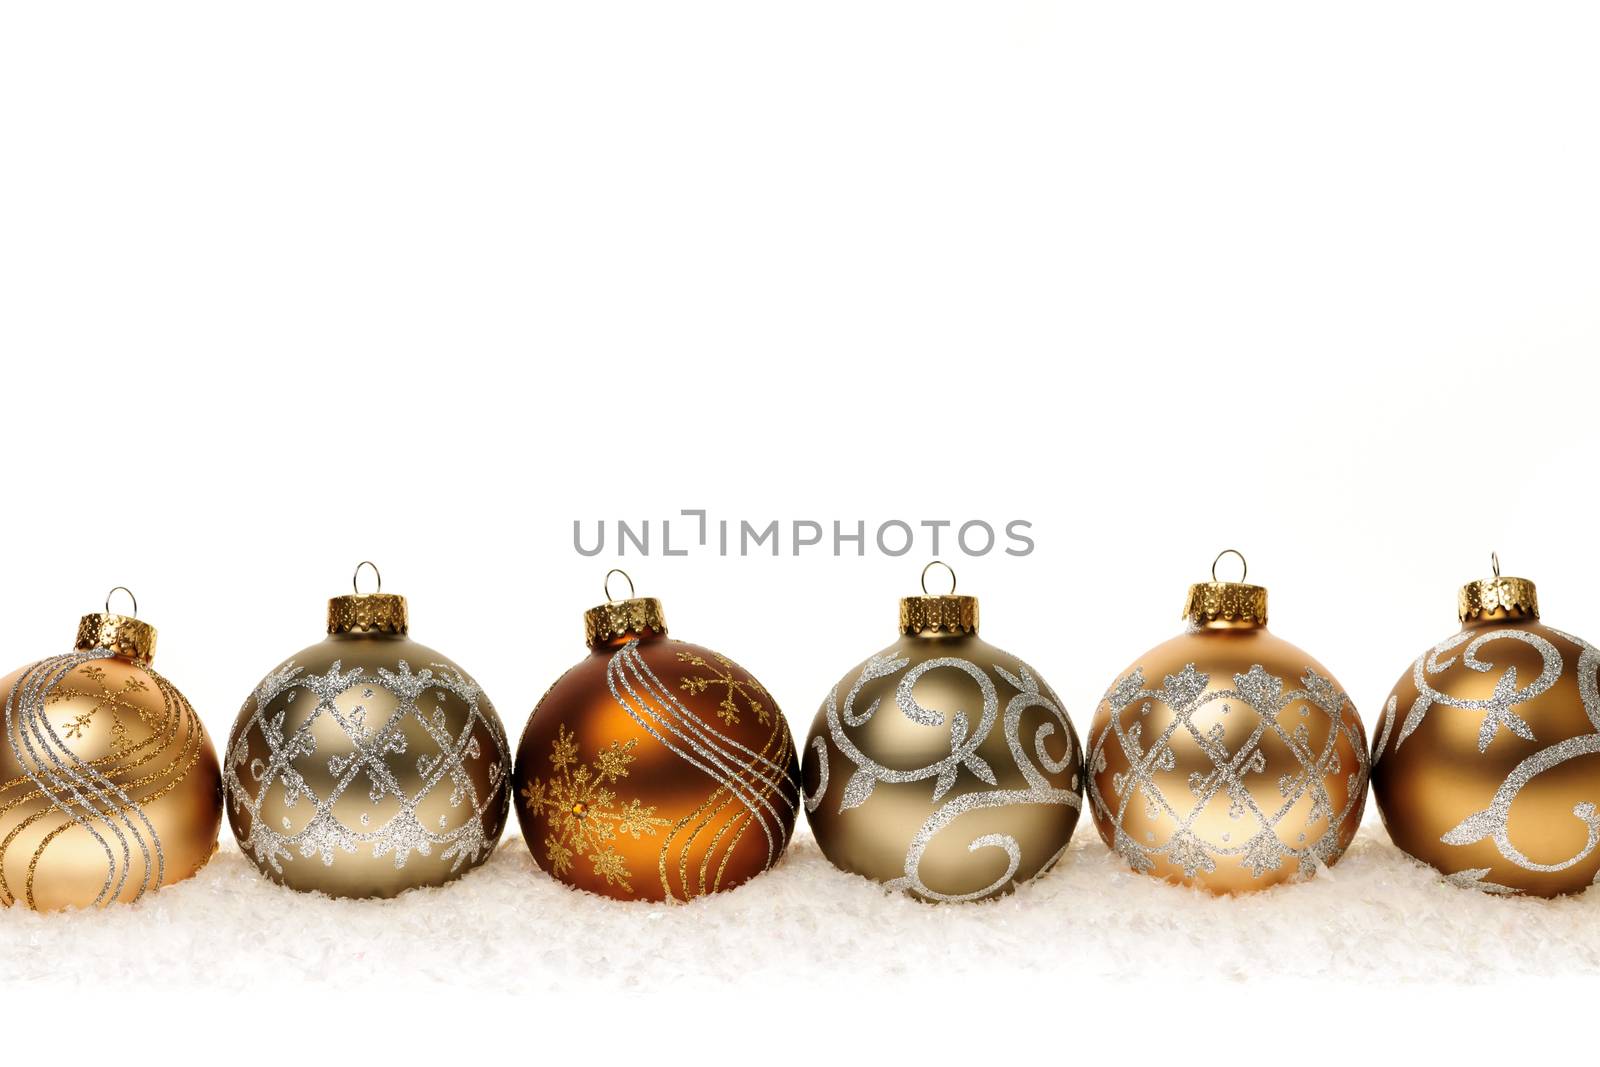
{"points": [[122, 635], [367, 613], [633, 616], [938, 613], [1228, 603], [1498, 597]]}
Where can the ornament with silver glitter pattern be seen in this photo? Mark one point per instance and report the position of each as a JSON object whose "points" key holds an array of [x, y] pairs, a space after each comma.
{"points": [[942, 766], [108, 783], [367, 764], [1227, 758], [1486, 760]]}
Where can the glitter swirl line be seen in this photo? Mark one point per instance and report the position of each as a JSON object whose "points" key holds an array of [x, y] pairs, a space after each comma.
{"points": [[106, 801], [640, 692], [1499, 707], [964, 743], [691, 722], [1492, 823], [819, 745], [87, 793], [129, 766], [1039, 791], [1389, 711], [723, 798], [20, 732]]}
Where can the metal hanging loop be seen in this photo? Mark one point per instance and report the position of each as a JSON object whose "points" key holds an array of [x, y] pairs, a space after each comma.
{"points": [[133, 599], [1244, 567], [947, 567], [607, 586], [355, 579]]}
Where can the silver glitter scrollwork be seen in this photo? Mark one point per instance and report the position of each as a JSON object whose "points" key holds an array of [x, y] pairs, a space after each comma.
{"points": [[965, 740], [1499, 709]]}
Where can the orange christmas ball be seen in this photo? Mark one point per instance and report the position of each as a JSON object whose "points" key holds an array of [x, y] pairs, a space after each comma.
{"points": [[655, 769]]}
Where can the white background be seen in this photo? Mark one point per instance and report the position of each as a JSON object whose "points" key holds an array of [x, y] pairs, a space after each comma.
{"points": [[285, 286]]}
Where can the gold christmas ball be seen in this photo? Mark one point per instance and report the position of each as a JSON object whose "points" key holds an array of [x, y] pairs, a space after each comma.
{"points": [[1486, 761], [108, 783], [367, 764], [1227, 758], [654, 769], [942, 766]]}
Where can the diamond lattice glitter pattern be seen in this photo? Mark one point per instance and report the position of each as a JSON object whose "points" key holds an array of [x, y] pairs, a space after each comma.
{"points": [[1265, 832], [367, 760]]}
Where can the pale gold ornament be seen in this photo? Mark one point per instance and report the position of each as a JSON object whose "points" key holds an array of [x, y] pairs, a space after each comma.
{"points": [[1227, 758], [367, 764], [943, 766], [108, 783], [1486, 760]]}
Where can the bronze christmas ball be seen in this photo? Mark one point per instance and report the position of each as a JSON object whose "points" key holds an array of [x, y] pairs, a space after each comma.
{"points": [[109, 786], [655, 769], [1486, 761]]}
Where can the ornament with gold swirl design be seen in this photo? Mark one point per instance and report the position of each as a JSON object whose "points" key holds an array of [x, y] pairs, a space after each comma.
{"points": [[109, 786]]}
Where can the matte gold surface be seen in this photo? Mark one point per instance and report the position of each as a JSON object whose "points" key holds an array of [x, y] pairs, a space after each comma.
{"points": [[1255, 759], [890, 797], [109, 785], [1436, 782], [656, 770], [357, 793]]}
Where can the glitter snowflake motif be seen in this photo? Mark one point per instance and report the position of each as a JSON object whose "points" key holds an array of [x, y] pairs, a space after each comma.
{"points": [[112, 701], [582, 811], [722, 677]]}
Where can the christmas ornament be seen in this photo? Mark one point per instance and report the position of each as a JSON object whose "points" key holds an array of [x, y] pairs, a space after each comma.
{"points": [[1486, 763], [108, 783], [367, 764], [654, 769], [943, 766], [1227, 758]]}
